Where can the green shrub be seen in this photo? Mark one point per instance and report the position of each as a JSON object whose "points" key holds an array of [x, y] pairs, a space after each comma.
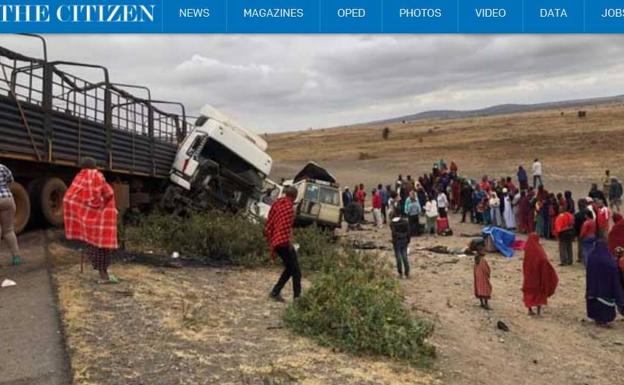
{"points": [[358, 307], [206, 237], [318, 250]]}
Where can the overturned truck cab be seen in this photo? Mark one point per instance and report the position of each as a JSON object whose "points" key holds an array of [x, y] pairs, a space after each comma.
{"points": [[220, 165]]}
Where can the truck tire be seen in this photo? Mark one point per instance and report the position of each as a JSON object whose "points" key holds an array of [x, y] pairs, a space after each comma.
{"points": [[22, 207], [51, 200]]}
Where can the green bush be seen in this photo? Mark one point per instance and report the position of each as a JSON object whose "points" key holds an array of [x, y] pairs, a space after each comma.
{"points": [[318, 250], [358, 307], [206, 237]]}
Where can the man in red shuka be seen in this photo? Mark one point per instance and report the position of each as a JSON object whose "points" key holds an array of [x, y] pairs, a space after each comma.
{"points": [[278, 232]]}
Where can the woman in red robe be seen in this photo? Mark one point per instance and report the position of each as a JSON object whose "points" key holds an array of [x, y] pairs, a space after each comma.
{"points": [[91, 216], [540, 277], [616, 235]]}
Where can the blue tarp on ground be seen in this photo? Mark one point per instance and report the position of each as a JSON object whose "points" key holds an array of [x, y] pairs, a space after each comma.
{"points": [[503, 239]]}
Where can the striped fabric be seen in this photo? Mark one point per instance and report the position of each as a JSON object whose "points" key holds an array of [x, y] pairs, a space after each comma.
{"points": [[6, 178]]}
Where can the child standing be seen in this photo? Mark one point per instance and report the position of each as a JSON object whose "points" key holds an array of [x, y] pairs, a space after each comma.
{"points": [[482, 285], [400, 240]]}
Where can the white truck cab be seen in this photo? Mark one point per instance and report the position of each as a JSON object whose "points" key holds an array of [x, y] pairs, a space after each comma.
{"points": [[218, 165]]}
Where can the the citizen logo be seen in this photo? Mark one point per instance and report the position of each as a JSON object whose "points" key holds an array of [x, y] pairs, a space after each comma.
{"points": [[77, 13]]}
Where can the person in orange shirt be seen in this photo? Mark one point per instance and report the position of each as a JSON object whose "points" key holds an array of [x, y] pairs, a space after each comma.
{"points": [[564, 231]]}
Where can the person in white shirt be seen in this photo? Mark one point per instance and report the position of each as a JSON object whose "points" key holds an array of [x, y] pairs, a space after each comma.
{"points": [[537, 173], [431, 215], [442, 204]]}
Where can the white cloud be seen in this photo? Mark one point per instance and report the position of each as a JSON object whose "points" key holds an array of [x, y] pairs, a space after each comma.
{"points": [[287, 82]]}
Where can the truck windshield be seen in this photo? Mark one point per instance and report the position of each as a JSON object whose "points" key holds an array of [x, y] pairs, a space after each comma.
{"points": [[229, 160]]}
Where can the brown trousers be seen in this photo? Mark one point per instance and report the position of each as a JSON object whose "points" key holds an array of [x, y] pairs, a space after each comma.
{"points": [[7, 215]]}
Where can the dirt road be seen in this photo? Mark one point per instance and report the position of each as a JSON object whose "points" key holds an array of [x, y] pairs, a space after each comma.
{"points": [[31, 346]]}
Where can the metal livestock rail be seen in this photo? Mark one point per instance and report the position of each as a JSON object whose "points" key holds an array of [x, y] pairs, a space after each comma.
{"points": [[50, 118]]}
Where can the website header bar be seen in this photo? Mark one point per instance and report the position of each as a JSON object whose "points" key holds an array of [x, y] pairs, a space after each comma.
{"points": [[312, 16]]}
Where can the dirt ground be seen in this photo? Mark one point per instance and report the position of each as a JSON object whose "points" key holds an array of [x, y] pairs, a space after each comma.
{"points": [[575, 152], [216, 326], [197, 326]]}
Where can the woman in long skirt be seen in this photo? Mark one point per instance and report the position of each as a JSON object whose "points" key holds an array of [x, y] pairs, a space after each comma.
{"points": [[604, 293]]}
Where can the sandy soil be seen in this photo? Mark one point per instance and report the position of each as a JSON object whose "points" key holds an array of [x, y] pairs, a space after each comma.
{"points": [[216, 326], [575, 152], [197, 326], [560, 347]]}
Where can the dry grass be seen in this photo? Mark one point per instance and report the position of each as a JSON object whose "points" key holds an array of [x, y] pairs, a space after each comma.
{"points": [[574, 151], [197, 326]]}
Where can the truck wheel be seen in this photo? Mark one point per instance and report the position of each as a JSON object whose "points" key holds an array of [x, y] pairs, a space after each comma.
{"points": [[22, 207], [51, 200]]}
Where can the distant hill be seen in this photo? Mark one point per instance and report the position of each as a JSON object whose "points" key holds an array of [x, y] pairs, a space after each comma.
{"points": [[501, 109]]}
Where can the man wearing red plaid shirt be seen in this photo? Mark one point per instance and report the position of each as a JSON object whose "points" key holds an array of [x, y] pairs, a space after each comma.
{"points": [[278, 232]]}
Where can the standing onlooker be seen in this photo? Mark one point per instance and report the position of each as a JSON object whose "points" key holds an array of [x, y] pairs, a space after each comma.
{"points": [[508, 212], [278, 232], [347, 197], [579, 219], [615, 195], [400, 240], [7, 213], [603, 216], [393, 205], [596, 194], [604, 291], [569, 202], [540, 278], [482, 285], [360, 197], [616, 235], [413, 210], [523, 178], [606, 186], [377, 205], [467, 202], [443, 204], [91, 216], [385, 195], [587, 235], [495, 213], [537, 173], [564, 232], [431, 216]]}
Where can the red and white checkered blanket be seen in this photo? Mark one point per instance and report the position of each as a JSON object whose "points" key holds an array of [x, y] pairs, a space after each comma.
{"points": [[90, 211]]}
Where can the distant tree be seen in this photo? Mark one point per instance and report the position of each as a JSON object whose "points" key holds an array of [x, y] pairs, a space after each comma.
{"points": [[385, 133]]}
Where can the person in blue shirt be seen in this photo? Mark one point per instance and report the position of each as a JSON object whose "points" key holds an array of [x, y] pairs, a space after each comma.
{"points": [[523, 179], [413, 210], [385, 195], [347, 197]]}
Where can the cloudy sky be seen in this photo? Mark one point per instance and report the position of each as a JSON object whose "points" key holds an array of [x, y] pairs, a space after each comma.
{"points": [[282, 83]]}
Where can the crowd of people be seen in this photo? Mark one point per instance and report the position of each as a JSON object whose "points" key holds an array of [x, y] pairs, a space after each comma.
{"points": [[593, 223]]}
